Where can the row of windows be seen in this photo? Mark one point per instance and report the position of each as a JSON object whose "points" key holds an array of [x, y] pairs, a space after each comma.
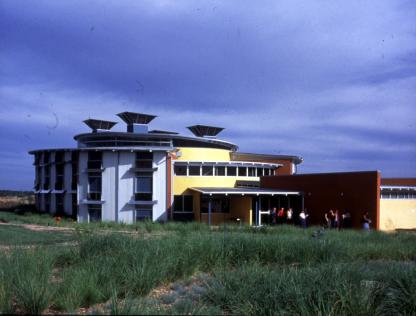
{"points": [[142, 213], [398, 195], [230, 171], [184, 204]]}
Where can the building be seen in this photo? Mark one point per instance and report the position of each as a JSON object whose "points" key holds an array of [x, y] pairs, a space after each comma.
{"points": [[391, 203], [160, 175]]}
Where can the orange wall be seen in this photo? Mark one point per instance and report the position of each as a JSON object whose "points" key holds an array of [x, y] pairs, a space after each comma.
{"points": [[357, 191]]}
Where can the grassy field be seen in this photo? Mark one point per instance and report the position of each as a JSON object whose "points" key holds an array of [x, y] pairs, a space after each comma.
{"points": [[191, 269]]}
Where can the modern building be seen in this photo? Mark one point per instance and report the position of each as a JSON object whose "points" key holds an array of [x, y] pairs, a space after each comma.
{"points": [[160, 175]]}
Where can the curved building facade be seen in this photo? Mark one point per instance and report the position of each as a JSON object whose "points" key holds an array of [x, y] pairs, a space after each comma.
{"points": [[138, 174]]}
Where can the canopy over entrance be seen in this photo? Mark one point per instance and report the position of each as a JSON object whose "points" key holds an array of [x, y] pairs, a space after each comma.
{"points": [[244, 191], [257, 196]]}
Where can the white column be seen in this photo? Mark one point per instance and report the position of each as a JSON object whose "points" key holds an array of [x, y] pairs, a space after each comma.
{"points": [[159, 187], [108, 190], [82, 186], [125, 193]]}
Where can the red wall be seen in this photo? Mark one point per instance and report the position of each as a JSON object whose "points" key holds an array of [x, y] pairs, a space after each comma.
{"points": [[356, 191]]}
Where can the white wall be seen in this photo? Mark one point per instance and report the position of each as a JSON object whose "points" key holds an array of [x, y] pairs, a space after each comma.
{"points": [[82, 186], [109, 186], [159, 187], [126, 187]]}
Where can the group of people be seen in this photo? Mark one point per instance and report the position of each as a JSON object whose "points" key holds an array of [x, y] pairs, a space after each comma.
{"points": [[283, 216], [333, 219]]}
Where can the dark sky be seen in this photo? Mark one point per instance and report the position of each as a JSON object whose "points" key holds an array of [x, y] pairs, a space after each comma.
{"points": [[331, 81]]}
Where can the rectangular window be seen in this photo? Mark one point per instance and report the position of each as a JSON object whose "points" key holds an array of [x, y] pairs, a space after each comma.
{"points": [[143, 196], [47, 202], [74, 180], [242, 171], [59, 157], [219, 170], [143, 184], [59, 199], [231, 171], [259, 172], [218, 205], [94, 212], [94, 160], [266, 171], [207, 170], [183, 203], [94, 184], [144, 160], [251, 171], [194, 170], [94, 196], [74, 205], [46, 157], [179, 170], [144, 212]]}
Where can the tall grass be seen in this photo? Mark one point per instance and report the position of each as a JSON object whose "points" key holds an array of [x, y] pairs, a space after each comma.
{"points": [[25, 278], [287, 260]]}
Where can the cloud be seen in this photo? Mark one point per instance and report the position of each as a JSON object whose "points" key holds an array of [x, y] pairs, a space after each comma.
{"points": [[330, 81]]}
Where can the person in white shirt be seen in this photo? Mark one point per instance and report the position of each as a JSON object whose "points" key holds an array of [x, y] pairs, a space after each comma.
{"points": [[303, 216], [289, 215]]}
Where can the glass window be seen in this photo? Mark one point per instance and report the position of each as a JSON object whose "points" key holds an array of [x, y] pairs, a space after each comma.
{"points": [[94, 184], [219, 170], [266, 171], [218, 204], [188, 203], [94, 212], [242, 171], [231, 171], [194, 170], [179, 170], [259, 172], [94, 196], [251, 171], [143, 196], [144, 212], [207, 170], [143, 184], [178, 203]]}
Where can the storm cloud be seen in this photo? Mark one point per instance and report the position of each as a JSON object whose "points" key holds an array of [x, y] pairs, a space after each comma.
{"points": [[331, 81]]}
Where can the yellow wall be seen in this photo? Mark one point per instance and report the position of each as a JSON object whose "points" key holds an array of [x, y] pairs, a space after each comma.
{"points": [[397, 213], [239, 206], [182, 183], [204, 154]]}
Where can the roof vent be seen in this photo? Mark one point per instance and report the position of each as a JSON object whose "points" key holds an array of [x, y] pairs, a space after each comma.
{"points": [[204, 130], [136, 122], [96, 125]]}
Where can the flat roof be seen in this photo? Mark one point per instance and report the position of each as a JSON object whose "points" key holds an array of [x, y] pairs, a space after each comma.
{"points": [[250, 156], [243, 191]]}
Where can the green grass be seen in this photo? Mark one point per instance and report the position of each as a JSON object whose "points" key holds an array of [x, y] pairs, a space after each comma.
{"points": [[16, 235], [278, 270]]}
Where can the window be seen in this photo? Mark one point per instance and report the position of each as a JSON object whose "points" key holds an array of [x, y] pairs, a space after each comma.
{"points": [[219, 170], [144, 160], [183, 204], [74, 180], [218, 205], [59, 156], [94, 196], [231, 171], [259, 172], [59, 199], [59, 184], [242, 171], [143, 184], [74, 205], [45, 157], [207, 170], [94, 159], [266, 172], [46, 182], [194, 170], [144, 212], [179, 170], [251, 171], [94, 212], [94, 183]]}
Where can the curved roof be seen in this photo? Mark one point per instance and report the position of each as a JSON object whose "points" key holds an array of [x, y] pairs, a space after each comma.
{"points": [[150, 139]]}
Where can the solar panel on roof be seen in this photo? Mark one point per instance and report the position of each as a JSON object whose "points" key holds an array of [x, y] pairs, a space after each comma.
{"points": [[136, 118], [205, 130], [99, 124]]}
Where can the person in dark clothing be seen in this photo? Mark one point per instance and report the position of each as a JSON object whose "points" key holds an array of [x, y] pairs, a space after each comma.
{"points": [[346, 219], [366, 221], [273, 215]]}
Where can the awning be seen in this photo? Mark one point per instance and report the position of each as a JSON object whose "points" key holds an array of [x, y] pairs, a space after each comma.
{"points": [[244, 191], [92, 202], [58, 191]]}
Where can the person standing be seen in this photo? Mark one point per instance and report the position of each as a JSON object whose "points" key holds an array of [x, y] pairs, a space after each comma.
{"points": [[289, 215], [346, 219], [336, 219], [274, 215], [281, 216], [303, 217], [366, 221], [328, 219]]}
